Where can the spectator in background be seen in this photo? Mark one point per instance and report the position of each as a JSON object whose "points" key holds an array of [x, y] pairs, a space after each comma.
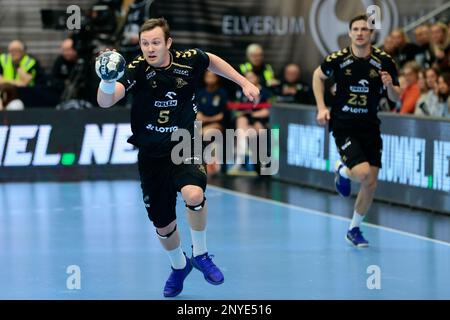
{"points": [[405, 50], [71, 78], [443, 90], [63, 66], [422, 83], [411, 93], [255, 62], [427, 105], [424, 56], [211, 104], [17, 67], [389, 45], [9, 99], [133, 13], [441, 46], [247, 118], [291, 89]]}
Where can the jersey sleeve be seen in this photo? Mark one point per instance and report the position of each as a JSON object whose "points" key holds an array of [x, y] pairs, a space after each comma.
{"points": [[201, 60], [129, 78], [330, 64]]}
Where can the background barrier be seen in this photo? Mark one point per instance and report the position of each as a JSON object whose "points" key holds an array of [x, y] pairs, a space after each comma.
{"points": [[416, 156], [41, 144]]}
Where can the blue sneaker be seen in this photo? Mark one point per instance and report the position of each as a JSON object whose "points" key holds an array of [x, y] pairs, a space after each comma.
{"points": [[343, 185], [174, 285], [355, 237], [210, 271]]}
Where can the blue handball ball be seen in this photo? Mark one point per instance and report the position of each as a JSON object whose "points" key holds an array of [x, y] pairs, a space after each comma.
{"points": [[110, 66]]}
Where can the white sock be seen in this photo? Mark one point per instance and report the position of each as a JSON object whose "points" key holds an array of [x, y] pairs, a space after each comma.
{"points": [[356, 221], [199, 242], [177, 258], [343, 172], [240, 150]]}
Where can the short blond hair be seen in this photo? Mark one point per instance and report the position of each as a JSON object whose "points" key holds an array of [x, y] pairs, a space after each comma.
{"points": [[252, 48]]}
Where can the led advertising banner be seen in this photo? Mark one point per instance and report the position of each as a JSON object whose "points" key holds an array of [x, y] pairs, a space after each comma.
{"points": [[66, 145], [415, 158]]}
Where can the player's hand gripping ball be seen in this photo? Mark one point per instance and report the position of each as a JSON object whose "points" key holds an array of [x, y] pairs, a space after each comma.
{"points": [[110, 66]]}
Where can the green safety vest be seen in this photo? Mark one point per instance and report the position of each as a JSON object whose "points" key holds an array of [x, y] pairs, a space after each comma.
{"points": [[268, 73], [9, 71]]}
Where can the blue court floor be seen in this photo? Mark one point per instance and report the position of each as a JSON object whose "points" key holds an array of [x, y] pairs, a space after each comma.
{"points": [[266, 249]]}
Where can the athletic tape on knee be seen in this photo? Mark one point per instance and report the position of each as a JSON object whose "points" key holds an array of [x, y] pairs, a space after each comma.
{"points": [[197, 207], [167, 236]]}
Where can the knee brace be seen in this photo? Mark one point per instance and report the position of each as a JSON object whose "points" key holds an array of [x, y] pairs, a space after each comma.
{"points": [[197, 207], [167, 236]]}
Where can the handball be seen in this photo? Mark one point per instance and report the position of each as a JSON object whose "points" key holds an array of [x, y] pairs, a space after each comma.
{"points": [[110, 66]]}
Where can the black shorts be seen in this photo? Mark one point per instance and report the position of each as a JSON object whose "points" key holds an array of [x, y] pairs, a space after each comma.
{"points": [[358, 148], [160, 182]]}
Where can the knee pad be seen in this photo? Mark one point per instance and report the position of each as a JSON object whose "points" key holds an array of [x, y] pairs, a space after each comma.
{"points": [[197, 207], [167, 236]]}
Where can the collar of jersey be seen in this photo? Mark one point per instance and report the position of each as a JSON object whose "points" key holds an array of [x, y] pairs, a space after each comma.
{"points": [[359, 58], [165, 68]]}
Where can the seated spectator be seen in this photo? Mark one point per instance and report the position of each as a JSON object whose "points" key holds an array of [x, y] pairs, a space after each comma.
{"points": [[72, 82], [443, 91], [424, 56], [17, 67], [64, 66], [249, 121], [427, 103], [291, 89], [211, 104], [255, 62], [405, 50], [411, 93], [9, 99], [389, 45], [441, 46], [132, 14]]}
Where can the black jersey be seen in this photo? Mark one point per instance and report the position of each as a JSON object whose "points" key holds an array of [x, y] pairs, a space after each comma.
{"points": [[163, 98], [358, 87]]}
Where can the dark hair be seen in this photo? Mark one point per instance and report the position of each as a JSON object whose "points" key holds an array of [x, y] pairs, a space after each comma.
{"points": [[8, 92], [357, 18], [436, 71], [444, 96], [154, 23], [446, 77]]}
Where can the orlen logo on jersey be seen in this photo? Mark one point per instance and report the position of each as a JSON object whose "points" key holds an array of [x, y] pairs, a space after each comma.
{"points": [[107, 145], [169, 103], [327, 28], [360, 89]]}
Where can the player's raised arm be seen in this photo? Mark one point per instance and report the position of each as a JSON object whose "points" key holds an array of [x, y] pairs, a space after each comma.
{"points": [[110, 67], [224, 69]]}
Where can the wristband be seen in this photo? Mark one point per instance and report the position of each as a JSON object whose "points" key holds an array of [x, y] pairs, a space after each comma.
{"points": [[107, 87]]}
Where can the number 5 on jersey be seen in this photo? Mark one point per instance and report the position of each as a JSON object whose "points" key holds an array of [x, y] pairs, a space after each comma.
{"points": [[163, 116]]}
